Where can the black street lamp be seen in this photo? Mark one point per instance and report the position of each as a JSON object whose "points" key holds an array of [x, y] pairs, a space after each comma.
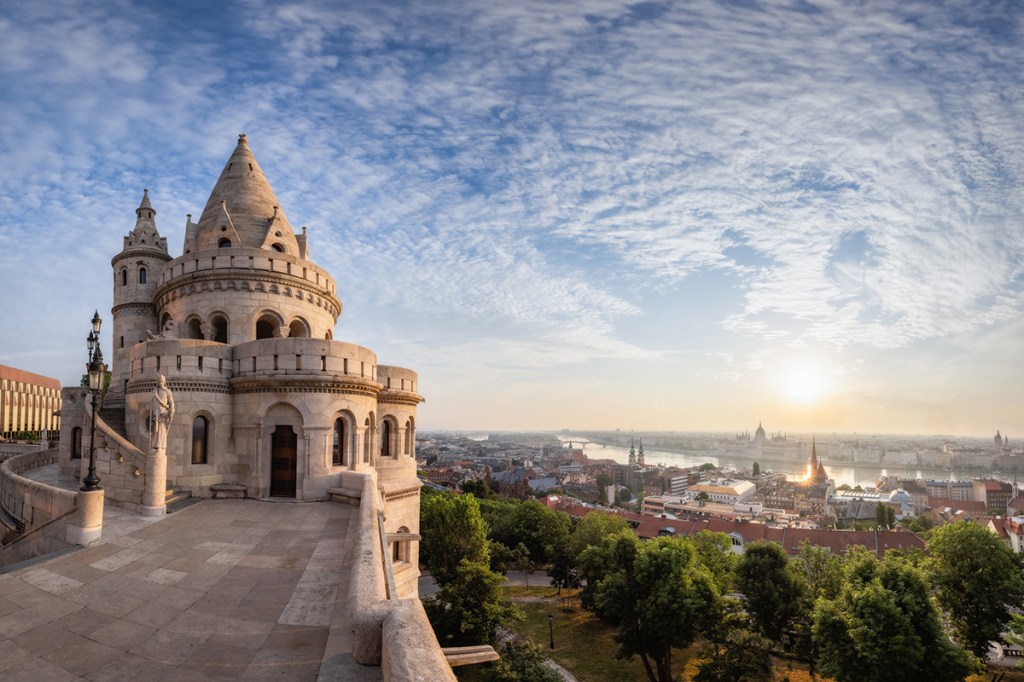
{"points": [[97, 371], [551, 629]]}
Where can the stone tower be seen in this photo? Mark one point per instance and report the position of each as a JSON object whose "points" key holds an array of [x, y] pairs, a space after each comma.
{"points": [[136, 271]]}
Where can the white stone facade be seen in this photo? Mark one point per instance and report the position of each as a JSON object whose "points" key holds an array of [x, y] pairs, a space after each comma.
{"points": [[242, 326]]}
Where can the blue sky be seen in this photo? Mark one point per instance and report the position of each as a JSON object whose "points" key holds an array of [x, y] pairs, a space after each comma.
{"points": [[689, 216]]}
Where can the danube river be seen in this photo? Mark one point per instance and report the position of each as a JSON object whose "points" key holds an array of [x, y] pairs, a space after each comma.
{"points": [[864, 475]]}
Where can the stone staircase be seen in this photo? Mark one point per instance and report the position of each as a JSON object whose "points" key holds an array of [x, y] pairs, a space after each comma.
{"points": [[177, 499], [114, 418]]}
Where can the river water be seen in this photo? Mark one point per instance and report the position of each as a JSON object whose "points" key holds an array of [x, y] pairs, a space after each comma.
{"points": [[864, 475]]}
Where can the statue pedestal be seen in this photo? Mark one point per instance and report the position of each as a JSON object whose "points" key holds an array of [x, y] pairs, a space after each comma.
{"points": [[86, 525], [154, 495]]}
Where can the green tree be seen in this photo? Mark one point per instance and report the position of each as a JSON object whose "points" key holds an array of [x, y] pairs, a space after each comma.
{"points": [[773, 594], [471, 607], [977, 579], [918, 524], [522, 561], [756, 469], [562, 567], [531, 523], [520, 661], [714, 550], [746, 657], [885, 516], [884, 628], [821, 570], [703, 498], [502, 557], [593, 528], [659, 596], [452, 530], [478, 488]]}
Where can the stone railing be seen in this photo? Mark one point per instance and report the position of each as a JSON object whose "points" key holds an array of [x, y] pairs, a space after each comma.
{"points": [[392, 633], [46, 519], [29, 502], [121, 466]]}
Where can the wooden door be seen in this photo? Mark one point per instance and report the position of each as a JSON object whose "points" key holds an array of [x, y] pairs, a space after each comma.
{"points": [[283, 459]]}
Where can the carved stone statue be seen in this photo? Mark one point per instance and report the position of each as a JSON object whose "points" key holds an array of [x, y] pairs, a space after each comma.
{"points": [[161, 414]]}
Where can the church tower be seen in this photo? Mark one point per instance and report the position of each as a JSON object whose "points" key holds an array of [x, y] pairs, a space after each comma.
{"points": [[136, 273], [632, 453], [640, 454]]}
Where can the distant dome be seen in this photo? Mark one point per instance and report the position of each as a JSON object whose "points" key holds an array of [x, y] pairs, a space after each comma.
{"points": [[759, 434]]}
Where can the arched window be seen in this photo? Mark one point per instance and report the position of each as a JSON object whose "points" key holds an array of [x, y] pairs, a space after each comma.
{"points": [[385, 438], [224, 243], [142, 275], [408, 437], [367, 439], [124, 276], [400, 548], [298, 329], [220, 329], [277, 247], [76, 443], [266, 327], [200, 437], [194, 329], [338, 450]]}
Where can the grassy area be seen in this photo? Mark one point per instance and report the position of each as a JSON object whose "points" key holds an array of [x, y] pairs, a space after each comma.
{"points": [[584, 645]]}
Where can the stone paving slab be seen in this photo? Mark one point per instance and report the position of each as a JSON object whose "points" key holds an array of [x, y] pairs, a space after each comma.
{"points": [[221, 590]]}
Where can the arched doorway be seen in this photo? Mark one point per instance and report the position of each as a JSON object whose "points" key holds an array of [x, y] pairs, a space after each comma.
{"points": [[283, 460]]}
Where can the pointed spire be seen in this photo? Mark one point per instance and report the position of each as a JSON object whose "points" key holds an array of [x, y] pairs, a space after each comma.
{"points": [[243, 192], [144, 205]]}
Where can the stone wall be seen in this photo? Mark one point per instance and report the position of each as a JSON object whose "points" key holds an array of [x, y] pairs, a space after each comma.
{"points": [[28, 501], [121, 468], [43, 510]]}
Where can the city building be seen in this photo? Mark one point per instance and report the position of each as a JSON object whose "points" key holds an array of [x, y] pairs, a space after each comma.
{"points": [[266, 403], [725, 491], [29, 404]]}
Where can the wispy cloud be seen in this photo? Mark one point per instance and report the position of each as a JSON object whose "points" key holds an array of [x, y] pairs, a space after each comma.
{"points": [[512, 183]]}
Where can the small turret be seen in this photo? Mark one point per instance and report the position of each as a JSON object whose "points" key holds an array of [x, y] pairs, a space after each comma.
{"points": [[136, 275]]}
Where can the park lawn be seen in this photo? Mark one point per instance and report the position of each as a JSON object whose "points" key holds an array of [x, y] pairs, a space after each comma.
{"points": [[583, 644]]}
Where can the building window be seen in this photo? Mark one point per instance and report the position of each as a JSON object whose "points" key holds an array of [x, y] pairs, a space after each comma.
{"points": [[277, 247], [142, 275], [224, 243], [76, 443], [200, 436], [385, 438], [124, 276], [338, 451], [220, 329]]}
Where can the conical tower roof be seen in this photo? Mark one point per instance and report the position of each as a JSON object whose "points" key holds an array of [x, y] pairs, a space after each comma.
{"points": [[243, 210], [144, 234]]}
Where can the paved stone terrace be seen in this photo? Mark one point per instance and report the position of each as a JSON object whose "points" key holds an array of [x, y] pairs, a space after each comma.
{"points": [[225, 589]]}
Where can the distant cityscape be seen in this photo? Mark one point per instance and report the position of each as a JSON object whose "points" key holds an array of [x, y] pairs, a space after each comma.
{"points": [[779, 480]]}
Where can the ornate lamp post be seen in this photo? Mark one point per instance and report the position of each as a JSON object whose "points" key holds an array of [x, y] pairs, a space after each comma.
{"points": [[551, 629], [97, 371]]}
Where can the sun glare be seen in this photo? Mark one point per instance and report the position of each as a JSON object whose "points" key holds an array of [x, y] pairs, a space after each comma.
{"points": [[805, 384]]}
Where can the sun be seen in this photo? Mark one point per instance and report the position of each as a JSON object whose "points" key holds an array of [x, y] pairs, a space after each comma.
{"points": [[805, 384]]}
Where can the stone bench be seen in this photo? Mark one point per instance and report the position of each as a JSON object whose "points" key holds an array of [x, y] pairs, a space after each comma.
{"points": [[228, 491]]}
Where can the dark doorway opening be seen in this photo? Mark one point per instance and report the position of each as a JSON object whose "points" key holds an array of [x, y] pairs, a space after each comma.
{"points": [[283, 459]]}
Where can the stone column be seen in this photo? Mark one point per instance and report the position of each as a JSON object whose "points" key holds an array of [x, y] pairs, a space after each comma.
{"points": [[86, 524], [154, 495]]}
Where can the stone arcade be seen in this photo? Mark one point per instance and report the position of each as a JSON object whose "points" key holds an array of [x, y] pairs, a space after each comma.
{"points": [[267, 403]]}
